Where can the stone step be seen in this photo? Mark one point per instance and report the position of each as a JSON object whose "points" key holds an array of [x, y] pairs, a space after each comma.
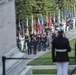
{"points": [[16, 66], [26, 71], [50, 67], [13, 67]]}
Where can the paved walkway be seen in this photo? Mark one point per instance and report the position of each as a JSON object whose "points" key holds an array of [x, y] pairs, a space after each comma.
{"points": [[70, 35], [49, 74]]}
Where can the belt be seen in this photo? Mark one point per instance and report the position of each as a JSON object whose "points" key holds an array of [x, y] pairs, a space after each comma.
{"points": [[61, 50]]}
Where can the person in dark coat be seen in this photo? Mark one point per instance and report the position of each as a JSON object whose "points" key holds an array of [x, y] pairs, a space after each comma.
{"points": [[34, 44], [39, 42], [29, 45], [44, 40], [18, 42], [60, 49]]}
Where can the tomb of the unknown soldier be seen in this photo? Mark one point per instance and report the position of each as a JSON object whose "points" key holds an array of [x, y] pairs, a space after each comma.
{"points": [[8, 47]]}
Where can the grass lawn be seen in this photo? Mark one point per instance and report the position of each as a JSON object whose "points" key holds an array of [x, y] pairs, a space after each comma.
{"points": [[46, 58], [48, 71]]}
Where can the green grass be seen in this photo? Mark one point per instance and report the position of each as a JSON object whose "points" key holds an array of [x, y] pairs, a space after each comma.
{"points": [[48, 71], [46, 58], [72, 43], [44, 71]]}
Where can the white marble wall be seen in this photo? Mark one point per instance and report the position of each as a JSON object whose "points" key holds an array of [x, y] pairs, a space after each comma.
{"points": [[7, 26], [8, 46]]}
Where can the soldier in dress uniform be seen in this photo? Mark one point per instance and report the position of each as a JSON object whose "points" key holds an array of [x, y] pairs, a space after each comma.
{"points": [[29, 45], [44, 40], [34, 44], [39, 42], [60, 49]]}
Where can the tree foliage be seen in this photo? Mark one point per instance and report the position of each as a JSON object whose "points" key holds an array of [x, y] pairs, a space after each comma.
{"points": [[25, 8]]}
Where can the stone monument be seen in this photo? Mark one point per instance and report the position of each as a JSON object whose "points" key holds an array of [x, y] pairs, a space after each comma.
{"points": [[8, 45]]}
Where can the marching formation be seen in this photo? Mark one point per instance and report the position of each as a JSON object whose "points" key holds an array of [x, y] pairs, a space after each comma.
{"points": [[35, 42], [40, 36]]}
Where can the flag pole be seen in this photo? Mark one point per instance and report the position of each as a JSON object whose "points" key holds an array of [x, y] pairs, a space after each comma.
{"points": [[27, 27], [32, 24]]}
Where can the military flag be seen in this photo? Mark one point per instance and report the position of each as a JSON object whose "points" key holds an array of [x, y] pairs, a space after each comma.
{"points": [[38, 25], [34, 25], [22, 27], [47, 20], [19, 29], [42, 22], [50, 21], [27, 28], [19, 26]]}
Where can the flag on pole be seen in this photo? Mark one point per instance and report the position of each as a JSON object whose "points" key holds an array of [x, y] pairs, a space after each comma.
{"points": [[54, 19], [34, 25], [47, 20], [27, 31], [64, 12], [22, 26], [42, 22], [19, 26], [38, 25], [50, 21], [59, 20], [19, 29]]}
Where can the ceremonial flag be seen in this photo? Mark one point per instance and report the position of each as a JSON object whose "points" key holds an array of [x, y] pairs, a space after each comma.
{"points": [[34, 25], [27, 27], [59, 21], [22, 26], [64, 12], [50, 21], [19, 29], [19, 26], [54, 19], [47, 20], [38, 25], [41, 23]]}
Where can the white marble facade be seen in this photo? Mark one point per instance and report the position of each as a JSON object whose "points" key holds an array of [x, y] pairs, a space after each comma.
{"points": [[8, 45], [7, 26]]}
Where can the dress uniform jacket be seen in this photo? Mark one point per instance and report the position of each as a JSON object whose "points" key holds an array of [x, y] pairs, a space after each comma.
{"points": [[34, 43], [38, 40], [29, 45], [62, 44]]}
